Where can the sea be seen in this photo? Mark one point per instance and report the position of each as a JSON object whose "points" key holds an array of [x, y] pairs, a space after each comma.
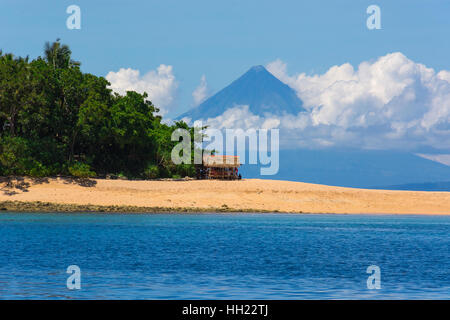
{"points": [[223, 256]]}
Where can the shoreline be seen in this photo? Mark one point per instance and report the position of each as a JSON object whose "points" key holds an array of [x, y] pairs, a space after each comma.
{"points": [[49, 207], [64, 194]]}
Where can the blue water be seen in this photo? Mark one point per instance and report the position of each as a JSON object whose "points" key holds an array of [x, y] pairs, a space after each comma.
{"points": [[223, 256]]}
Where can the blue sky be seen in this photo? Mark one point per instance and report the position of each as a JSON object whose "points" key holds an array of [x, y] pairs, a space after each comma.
{"points": [[222, 39]]}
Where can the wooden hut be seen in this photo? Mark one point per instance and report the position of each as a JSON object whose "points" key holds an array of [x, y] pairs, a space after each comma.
{"points": [[220, 167]]}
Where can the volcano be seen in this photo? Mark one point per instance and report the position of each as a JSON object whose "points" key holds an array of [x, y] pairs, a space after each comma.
{"points": [[257, 88]]}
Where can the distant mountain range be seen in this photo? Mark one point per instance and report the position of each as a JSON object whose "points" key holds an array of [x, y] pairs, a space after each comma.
{"points": [[427, 186], [358, 169], [258, 89]]}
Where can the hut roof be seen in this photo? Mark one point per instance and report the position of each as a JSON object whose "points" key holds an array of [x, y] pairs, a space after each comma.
{"points": [[220, 161]]}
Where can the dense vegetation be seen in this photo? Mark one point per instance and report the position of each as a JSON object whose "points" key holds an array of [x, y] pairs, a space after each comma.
{"points": [[57, 120]]}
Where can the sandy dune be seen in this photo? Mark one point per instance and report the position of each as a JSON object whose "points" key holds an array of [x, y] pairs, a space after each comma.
{"points": [[259, 195]]}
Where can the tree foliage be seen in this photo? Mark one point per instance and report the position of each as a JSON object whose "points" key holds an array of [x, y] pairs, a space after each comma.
{"points": [[55, 119]]}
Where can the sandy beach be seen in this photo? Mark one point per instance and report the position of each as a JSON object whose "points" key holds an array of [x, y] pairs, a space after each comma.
{"points": [[212, 195]]}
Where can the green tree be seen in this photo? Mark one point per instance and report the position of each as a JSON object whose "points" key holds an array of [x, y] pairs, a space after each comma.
{"points": [[59, 56], [55, 119]]}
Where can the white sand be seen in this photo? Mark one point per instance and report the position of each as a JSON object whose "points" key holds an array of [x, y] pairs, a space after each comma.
{"points": [[282, 196]]}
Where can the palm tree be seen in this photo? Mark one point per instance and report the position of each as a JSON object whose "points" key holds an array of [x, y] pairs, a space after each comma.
{"points": [[58, 55]]}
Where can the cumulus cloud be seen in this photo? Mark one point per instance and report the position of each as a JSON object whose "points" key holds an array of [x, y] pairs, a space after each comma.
{"points": [[240, 117], [392, 102], [160, 85], [201, 92]]}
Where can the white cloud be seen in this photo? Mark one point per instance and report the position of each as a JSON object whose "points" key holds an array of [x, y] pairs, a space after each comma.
{"points": [[160, 85], [391, 89], [240, 117], [392, 102], [201, 92], [444, 75], [441, 158]]}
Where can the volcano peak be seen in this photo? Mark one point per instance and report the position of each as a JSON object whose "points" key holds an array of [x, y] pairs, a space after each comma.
{"points": [[259, 89]]}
